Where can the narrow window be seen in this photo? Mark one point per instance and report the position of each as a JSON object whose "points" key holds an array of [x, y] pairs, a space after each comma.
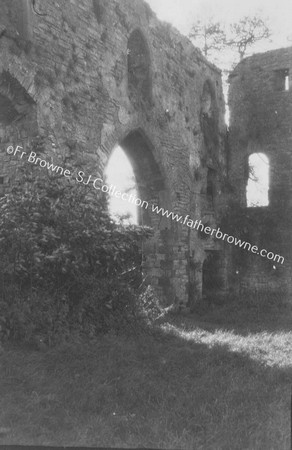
{"points": [[257, 189], [287, 82], [282, 80]]}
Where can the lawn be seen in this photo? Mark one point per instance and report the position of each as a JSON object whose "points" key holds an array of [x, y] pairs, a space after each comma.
{"points": [[219, 380]]}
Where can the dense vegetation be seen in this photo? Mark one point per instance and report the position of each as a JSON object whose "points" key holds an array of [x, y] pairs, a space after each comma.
{"points": [[66, 267]]}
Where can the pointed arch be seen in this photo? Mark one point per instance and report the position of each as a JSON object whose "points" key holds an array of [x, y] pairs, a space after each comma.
{"points": [[152, 190]]}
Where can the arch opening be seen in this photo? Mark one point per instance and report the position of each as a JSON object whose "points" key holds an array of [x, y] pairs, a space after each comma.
{"points": [[149, 179], [133, 170], [119, 173], [257, 188], [150, 190]]}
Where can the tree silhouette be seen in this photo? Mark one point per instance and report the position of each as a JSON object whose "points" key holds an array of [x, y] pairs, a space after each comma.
{"points": [[208, 36], [239, 36], [245, 33]]}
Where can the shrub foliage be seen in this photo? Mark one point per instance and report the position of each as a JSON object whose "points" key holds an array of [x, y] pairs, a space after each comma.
{"points": [[66, 267]]}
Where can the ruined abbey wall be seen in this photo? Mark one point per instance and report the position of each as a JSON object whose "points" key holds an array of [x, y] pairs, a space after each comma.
{"points": [[260, 101], [89, 75]]}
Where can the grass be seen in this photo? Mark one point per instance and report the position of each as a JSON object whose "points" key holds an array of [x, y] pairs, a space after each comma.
{"points": [[218, 380]]}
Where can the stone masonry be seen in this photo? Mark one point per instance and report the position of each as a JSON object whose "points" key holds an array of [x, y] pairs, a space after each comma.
{"points": [[260, 101], [89, 75], [86, 76]]}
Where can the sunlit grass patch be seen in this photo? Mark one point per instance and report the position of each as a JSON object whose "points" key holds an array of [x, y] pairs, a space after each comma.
{"points": [[182, 387], [271, 348]]}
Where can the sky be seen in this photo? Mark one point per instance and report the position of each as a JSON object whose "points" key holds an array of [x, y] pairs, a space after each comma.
{"points": [[182, 13], [120, 174]]}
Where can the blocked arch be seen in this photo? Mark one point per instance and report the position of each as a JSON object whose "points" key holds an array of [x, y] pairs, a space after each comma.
{"points": [[139, 69], [209, 114]]}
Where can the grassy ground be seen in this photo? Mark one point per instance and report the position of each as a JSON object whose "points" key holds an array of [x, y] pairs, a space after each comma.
{"points": [[219, 380]]}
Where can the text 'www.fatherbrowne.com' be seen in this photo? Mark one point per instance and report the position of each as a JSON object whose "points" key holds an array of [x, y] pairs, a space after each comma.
{"points": [[99, 185], [198, 225]]}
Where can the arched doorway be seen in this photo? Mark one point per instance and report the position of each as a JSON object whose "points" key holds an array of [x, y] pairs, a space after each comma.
{"points": [[151, 190]]}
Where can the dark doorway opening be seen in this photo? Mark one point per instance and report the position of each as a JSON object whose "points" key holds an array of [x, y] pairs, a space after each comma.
{"points": [[213, 276]]}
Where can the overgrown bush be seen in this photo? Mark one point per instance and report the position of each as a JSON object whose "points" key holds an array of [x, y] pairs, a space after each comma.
{"points": [[66, 266]]}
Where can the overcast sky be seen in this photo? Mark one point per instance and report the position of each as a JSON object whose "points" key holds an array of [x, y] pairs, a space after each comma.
{"points": [[182, 13]]}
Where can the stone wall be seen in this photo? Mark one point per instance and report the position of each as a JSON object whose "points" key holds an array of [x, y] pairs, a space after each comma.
{"points": [[260, 101], [90, 75]]}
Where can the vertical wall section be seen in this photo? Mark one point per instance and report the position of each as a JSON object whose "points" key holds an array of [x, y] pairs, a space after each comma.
{"points": [[93, 74], [260, 101]]}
